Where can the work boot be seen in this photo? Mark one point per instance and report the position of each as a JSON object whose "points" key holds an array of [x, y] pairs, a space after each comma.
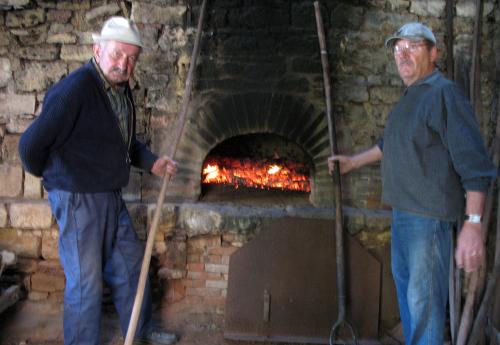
{"points": [[157, 338]]}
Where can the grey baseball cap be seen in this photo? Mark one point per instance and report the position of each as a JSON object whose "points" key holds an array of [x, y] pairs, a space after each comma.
{"points": [[413, 32]]}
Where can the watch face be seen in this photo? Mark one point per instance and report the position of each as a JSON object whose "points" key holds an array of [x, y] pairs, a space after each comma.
{"points": [[473, 218]]}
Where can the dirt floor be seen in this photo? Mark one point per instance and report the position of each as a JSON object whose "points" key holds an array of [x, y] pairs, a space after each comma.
{"points": [[36, 323]]}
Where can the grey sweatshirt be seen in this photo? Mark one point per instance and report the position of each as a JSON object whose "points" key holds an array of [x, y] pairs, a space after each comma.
{"points": [[433, 151]]}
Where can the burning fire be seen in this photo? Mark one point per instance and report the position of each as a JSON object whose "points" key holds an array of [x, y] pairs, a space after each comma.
{"points": [[262, 174]]}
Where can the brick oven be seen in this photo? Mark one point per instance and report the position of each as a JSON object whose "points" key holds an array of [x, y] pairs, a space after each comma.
{"points": [[259, 97], [241, 118]]}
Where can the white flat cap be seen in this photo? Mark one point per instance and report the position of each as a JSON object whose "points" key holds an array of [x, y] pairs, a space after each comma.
{"points": [[119, 29]]}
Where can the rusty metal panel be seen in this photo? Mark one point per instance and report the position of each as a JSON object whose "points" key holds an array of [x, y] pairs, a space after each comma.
{"points": [[282, 285]]}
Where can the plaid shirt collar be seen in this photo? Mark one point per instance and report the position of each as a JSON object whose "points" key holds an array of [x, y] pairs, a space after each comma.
{"points": [[107, 86]]}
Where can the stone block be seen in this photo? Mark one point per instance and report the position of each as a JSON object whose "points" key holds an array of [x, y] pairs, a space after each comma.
{"points": [[5, 72], [58, 16], [216, 284], [433, 8], [15, 4], [176, 291], [40, 52], [50, 244], [25, 18], [159, 248], [196, 267], [10, 153], [203, 291], [215, 268], [73, 5], [384, 95], [201, 221], [76, 53], [175, 255], [64, 38], [16, 104], [169, 273], [167, 220], [467, 9], [30, 215], [17, 125], [4, 38], [163, 99], [3, 216], [223, 251], [46, 282], [352, 93], [151, 14], [84, 38], [26, 265], [38, 76], [51, 266], [103, 11], [61, 33], [203, 244], [23, 243], [38, 296], [11, 180], [46, 4], [32, 186], [31, 36], [138, 214]]}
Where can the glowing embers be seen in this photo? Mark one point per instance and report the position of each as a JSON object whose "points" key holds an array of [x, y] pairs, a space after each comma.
{"points": [[264, 174]]}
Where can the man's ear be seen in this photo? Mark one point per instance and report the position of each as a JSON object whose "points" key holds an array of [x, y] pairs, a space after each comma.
{"points": [[96, 48], [434, 54]]}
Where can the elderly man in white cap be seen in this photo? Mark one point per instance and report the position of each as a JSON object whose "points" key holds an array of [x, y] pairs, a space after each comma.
{"points": [[432, 154], [82, 145]]}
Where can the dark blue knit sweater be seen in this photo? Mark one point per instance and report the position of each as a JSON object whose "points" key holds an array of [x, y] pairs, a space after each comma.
{"points": [[75, 144]]}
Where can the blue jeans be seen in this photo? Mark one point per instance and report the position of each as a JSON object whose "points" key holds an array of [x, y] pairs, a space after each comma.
{"points": [[420, 249], [97, 243]]}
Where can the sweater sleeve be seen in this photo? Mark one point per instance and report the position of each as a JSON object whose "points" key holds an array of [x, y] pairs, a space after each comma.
{"points": [[141, 156], [461, 135], [50, 129]]}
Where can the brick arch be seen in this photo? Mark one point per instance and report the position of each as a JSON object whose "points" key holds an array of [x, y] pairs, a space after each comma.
{"points": [[216, 118]]}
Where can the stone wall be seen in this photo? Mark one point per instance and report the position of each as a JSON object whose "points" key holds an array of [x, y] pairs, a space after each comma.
{"points": [[264, 47]]}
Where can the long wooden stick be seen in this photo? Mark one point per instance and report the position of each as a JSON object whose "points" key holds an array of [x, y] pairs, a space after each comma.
{"points": [[478, 325], [454, 279], [166, 180], [475, 71], [449, 38], [123, 7], [476, 278], [339, 236]]}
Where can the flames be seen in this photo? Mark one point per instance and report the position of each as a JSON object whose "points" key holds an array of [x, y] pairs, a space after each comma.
{"points": [[264, 174]]}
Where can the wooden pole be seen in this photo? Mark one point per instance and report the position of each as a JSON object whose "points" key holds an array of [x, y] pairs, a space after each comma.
{"points": [[476, 278], [339, 236], [449, 38], [166, 180], [478, 325], [123, 7], [454, 280], [475, 71]]}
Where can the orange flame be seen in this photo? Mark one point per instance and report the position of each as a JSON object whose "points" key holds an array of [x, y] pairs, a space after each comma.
{"points": [[259, 174]]}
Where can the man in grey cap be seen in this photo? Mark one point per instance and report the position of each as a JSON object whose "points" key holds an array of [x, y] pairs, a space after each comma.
{"points": [[432, 155], [82, 145]]}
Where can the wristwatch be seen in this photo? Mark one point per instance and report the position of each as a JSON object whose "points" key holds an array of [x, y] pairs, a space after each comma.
{"points": [[473, 218]]}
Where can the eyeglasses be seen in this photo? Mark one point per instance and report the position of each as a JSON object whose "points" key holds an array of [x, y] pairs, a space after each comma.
{"points": [[409, 47]]}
